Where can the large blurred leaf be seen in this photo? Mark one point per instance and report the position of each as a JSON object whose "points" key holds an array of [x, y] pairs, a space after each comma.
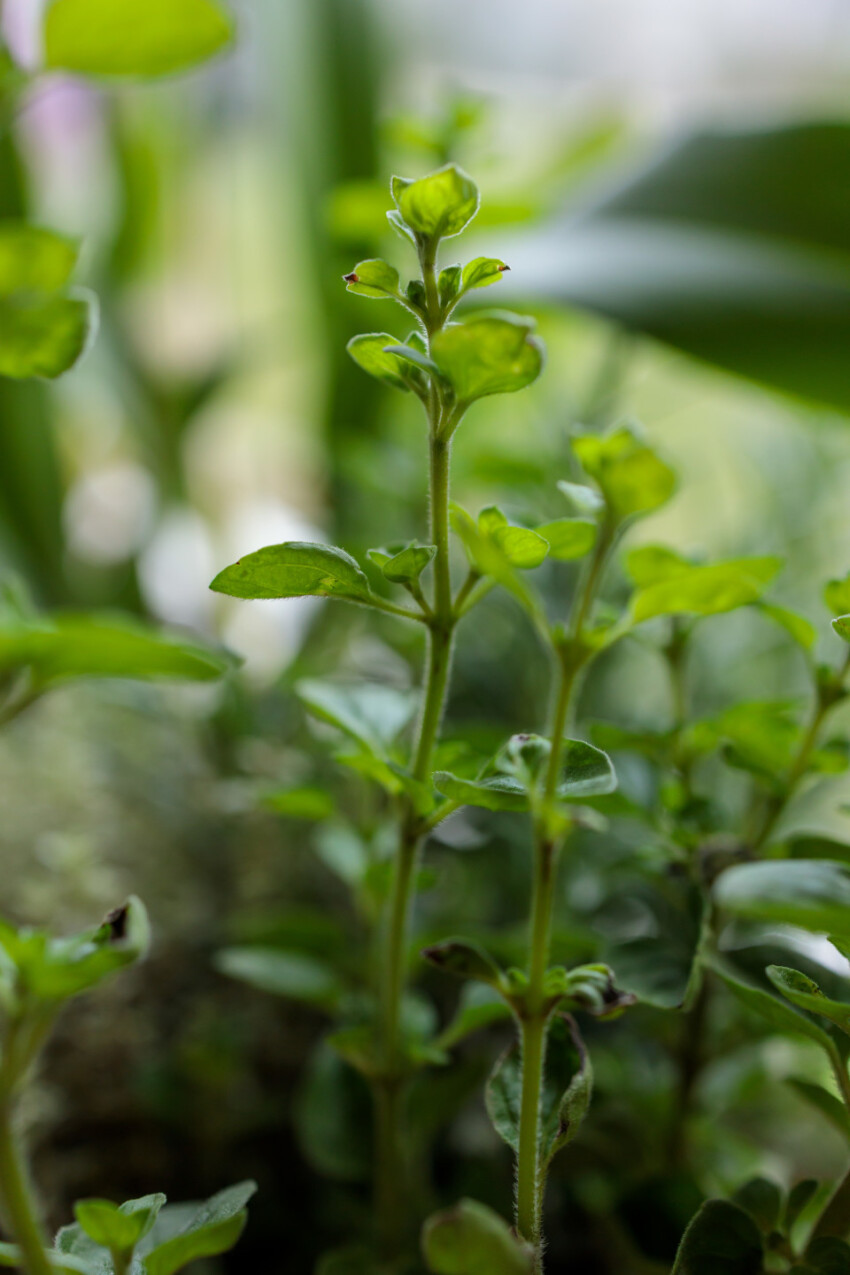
{"points": [[133, 37], [44, 328], [811, 893], [720, 1240], [731, 246]]}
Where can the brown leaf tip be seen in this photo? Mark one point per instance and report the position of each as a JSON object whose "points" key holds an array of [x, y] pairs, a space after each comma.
{"points": [[351, 278], [117, 922], [502, 268]]}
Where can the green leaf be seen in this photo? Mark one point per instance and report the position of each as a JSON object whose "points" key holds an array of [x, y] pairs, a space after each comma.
{"points": [[299, 803], [118, 1227], [52, 970], [836, 595], [478, 1007], [798, 1197], [214, 1229], [650, 564], [805, 994], [488, 354], [778, 1013], [370, 352], [631, 477], [403, 565], [795, 625], [133, 37], [369, 712], [448, 284], [762, 1199], [823, 1101], [471, 1239], [290, 974], [439, 205], [584, 500], [333, 1117], [811, 893], [33, 259], [720, 1240], [65, 646], [842, 627], [828, 1255], [413, 353], [586, 772], [396, 220], [568, 538], [373, 278], [520, 546], [567, 1089], [464, 960], [294, 569], [708, 590], [482, 271], [498, 792]]}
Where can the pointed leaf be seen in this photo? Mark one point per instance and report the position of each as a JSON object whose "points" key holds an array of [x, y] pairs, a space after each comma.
{"points": [[293, 975], [482, 271], [823, 1101], [709, 590], [214, 1229], [294, 569], [778, 1013], [811, 893], [464, 960], [369, 712], [373, 278]]}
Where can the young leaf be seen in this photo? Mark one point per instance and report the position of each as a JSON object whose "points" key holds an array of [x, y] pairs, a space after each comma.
{"points": [[805, 994], [482, 271], [842, 627], [118, 1227], [290, 974], [464, 960], [214, 1229], [569, 538], [439, 205], [584, 500], [471, 1239], [488, 354], [370, 352], [133, 37], [373, 278], [407, 565], [567, 1090], [631, 477], [721, 1239], [811, 893], [33, 259], [798, 1197], [294, 569], [448, 285], [521, 547], [801, 630], [709, 590]]}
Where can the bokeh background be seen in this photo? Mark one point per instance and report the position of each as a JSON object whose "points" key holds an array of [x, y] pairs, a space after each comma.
{"points": [[218, 412]]}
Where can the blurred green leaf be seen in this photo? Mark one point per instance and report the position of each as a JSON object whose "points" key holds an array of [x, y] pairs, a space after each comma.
{"points": [[632, 478], [762, 1199], [488, 354], [482, 271], [118, 1227], [300, 803], [720, 1240], [777, 1013], [586, 771], [797, 626], [709, 590], [133, 37], [294, 569], [568, 538], [290, 974], [464, 960], [520, 546], [823, 1101], [471, 1239], [804, 992], [369, 712], [478, 1007], [811, 893]]}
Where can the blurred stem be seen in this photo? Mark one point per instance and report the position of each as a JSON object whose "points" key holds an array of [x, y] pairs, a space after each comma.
{"points": [[835, 1218], [390, 1170], [572, 659], [18, 1204]]}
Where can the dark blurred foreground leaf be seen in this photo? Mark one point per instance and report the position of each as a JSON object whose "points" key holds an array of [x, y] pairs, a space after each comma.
{"points": [[720, 1240], [731, 246]]}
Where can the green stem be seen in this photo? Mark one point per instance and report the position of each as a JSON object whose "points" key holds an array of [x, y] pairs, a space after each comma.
{"points": [[18, 1205]]}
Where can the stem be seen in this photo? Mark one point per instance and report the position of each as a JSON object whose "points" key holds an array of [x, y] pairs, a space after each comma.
{"points": [[18, 1204], [390, 1170], [835, 1219]]}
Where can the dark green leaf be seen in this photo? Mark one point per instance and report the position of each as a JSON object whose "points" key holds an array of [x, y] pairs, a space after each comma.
{"points": [[471, 1239], [478, 1007], [762, 1199], [464, 960], [499, 792], [294, 569], [805, 994], [133, 37], [720, 1240], [778, 1013], [828, 1255], [567, 1090], [798, 1197]]}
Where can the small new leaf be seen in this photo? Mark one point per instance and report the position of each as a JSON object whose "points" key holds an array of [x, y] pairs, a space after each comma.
{"points": [[214, 1229], [631, 477], [439, 205], [483, 271], [373, 278], [805, 994]]}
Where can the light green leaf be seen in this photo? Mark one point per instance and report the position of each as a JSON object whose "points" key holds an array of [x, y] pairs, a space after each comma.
{"points": [[294, 569], [290, 974], [133, 37], [448, 284], [471, 1239], [370, 352], [805, 994], [498, 792], [720, 1240], [706, 590], [488, 354], [569, 538], [632, 478], [584, 500], [650, 564], [521, 547], [45, 336], [414, 354], [478, 1007], [118, 1228], [586, 772], [439, 205], [11, 1256], [373, 278], [299, 803], [811, 893], [836, 595], [842, 627], [396, 220], [214, 1229], [404, 565], [33, 259], [482, 271]]}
